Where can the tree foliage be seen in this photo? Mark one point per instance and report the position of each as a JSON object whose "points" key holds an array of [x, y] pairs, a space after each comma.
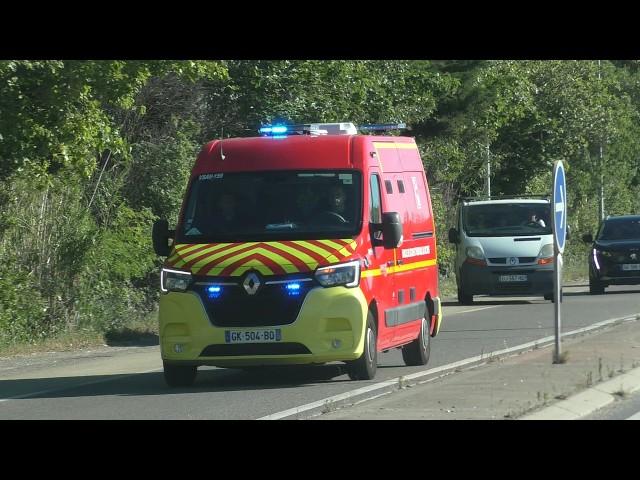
{"points": [[92, 151]]}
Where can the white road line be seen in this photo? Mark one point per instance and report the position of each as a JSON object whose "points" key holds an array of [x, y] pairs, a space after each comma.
{"points": [[474, 310], [59, 389], [635, 417], [394, 381]]}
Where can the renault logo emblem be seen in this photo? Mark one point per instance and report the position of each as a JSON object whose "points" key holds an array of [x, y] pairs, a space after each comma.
{"points": [[251, 283]]}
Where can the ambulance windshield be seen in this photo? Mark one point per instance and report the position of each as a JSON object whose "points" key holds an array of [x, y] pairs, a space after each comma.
{"points": [[282, 205]]}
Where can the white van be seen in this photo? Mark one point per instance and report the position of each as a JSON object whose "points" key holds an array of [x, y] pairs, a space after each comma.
{"points": [[504, 246]]}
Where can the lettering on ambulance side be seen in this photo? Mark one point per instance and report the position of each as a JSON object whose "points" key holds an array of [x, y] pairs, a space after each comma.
{"points": [[416, 251]]}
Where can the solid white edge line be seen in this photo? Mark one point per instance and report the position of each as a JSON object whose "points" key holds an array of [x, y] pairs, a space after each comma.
{"points": [[634, 417], [394, 381]]}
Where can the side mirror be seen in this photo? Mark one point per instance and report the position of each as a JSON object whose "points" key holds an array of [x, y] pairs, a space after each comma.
{"points": [[391, 230], [161, 235], [454, 236], [587, 238]]}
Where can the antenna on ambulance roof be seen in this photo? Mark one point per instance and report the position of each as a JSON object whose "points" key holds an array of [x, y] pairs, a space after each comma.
{"points": [[222, 156]]}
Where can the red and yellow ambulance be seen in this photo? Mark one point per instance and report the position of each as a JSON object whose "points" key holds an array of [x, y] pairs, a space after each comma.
{"points": [[309, 244]]}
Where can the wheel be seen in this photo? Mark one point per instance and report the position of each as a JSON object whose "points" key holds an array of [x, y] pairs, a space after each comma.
{"points": [[463, 297], [179, 375], [418, 351], [364, 368], [548, 296], [595, 287]]}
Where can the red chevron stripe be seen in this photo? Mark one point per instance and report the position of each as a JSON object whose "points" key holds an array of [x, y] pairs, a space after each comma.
{"points": [[316, 256], [333, 251], [339, 241], [273, 266], [207, 266], [199, 257], [295, 261]]}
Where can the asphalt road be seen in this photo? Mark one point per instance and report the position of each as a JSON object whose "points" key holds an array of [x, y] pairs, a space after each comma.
{"points": [[128, 384]]}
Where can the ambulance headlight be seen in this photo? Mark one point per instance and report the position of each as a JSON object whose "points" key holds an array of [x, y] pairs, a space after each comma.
{"points": [[172, 280], [347, 274]]}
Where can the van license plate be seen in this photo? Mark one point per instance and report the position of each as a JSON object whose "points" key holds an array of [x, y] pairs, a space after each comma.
{"points": [[253, 336], [512, 278], [627, 267]]}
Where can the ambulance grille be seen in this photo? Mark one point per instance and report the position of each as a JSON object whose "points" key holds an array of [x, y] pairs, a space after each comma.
{"points": [[271, 305]]}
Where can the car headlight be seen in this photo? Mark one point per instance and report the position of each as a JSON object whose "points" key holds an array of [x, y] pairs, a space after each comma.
{"points": [[546, 251], [347, 274], [475, 252], [174, 280]]}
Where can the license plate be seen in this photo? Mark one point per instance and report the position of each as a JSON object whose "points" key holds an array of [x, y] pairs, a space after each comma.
{"points": [[512, 278], [253, 336], [627, 267]]}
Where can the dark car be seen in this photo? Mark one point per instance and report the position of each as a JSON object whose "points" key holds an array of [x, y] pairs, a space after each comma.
{"points": [[614, 258]]}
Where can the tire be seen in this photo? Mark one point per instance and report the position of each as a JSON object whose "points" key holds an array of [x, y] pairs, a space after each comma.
{"points": [[595, 287], [418, 351], [464, 298], [364, 368], [179, 375], [548, 296]]}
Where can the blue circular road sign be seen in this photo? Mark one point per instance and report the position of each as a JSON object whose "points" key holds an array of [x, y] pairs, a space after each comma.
{"points": [[559, 206]]}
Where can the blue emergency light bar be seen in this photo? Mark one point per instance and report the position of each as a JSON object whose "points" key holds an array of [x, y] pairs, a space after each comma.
{"points": [[336, 128], [273, 130]]}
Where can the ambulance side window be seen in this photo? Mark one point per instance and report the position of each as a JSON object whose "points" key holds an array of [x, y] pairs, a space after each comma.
{"points": [[374, 200]]}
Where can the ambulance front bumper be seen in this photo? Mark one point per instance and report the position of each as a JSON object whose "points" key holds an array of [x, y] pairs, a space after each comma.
{"points": [[329, 327]]}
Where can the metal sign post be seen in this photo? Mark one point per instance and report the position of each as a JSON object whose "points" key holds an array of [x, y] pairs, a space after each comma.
{"points": [[559, 202]]}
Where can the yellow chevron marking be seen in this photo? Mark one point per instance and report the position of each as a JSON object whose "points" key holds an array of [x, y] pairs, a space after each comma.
{"points": [[219, 253], [184, 249], [221, 248], [255, 264], [241, 270], [303, 257], [281, 261], [321, 251], [334, 245]]}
